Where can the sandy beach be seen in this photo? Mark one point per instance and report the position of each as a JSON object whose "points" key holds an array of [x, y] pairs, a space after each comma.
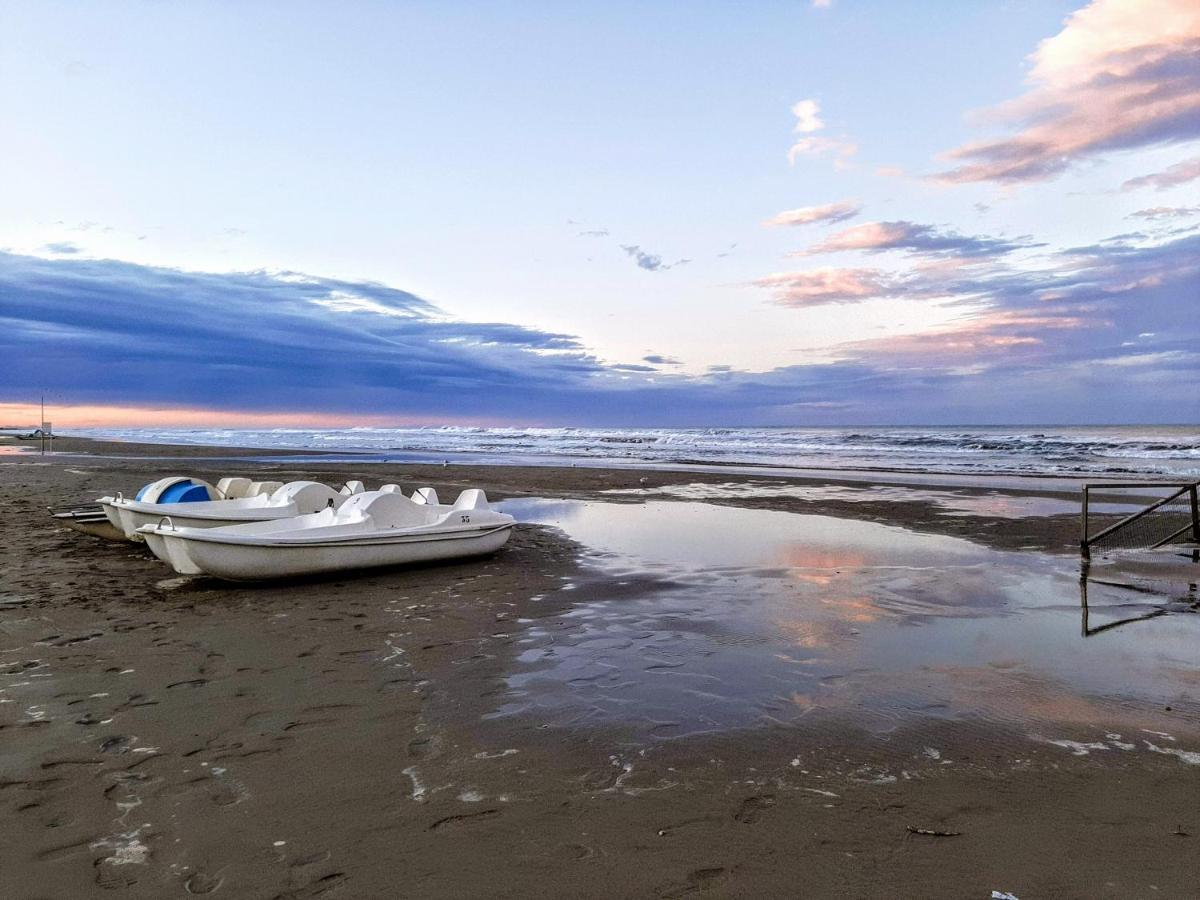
{"points": [[668, 684]]}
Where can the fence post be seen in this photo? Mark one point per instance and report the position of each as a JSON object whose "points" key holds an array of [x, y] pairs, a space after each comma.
{"points": [[1083, 535], [1195, 515]]}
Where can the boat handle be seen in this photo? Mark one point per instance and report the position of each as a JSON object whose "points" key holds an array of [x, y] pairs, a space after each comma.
{"points": [[165, 521], [120, 496]]}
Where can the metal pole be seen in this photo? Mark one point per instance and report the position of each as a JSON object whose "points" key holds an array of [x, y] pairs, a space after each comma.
{"points": [[1195, 515], [1172, 536], [41, 430], [1083, 535]]}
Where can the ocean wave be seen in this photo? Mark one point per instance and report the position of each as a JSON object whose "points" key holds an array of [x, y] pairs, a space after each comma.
{"points": [[1123, 450]]}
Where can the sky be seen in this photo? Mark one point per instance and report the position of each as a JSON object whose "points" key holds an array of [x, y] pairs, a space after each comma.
{"points": [[837, 212]]}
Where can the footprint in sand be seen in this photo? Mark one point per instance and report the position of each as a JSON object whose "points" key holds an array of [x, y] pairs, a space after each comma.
{"points": [[697, 880], [575, 852], [320, 887], [214, 664], [53, 854], [304, 724], [464, 819], [752, 807], [191, 682], [118, 743], [310, 859], [422, 748], [112, 877], [202, 883], [229, 792]]}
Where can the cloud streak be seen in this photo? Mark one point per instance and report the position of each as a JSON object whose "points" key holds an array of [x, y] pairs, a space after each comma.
{"points": [[1158, 213], [819, 145], [829, 213], [817, 287], [651, 262], [63, 248], [877, 237], [1172, 176]]}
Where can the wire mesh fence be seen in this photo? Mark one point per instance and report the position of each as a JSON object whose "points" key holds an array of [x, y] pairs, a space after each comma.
{"points": [[1170, 519]]}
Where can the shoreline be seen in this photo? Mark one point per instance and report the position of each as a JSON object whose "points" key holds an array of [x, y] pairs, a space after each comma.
{"points": [[1057, 533], [1015, 480], [168, 722], [1020, 483]]}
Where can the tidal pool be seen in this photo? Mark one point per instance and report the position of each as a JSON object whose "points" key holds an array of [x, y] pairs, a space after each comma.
{"points": [[692, 617]]}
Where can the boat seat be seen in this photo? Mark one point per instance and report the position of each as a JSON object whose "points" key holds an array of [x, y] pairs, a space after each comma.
{"points": [[426, 495], [391, 489], [263, 487], [472, 498], [308, 496], [234, 488], [350, 488], [387, 509]]}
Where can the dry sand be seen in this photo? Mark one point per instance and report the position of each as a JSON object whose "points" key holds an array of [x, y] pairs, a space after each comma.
{"points": [[164, 737]]}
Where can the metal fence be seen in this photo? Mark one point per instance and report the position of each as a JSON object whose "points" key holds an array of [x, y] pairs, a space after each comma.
{"points": [[1174, 518]]}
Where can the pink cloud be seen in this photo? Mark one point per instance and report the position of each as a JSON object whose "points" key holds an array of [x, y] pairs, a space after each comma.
{"points": [[916, 238], [806, 215], [1121, 74], [1180, 173], [816, 287], [990, 334], [868, 236]]}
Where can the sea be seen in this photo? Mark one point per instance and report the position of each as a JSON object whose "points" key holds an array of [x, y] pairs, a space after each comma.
{"points": [[1132, 451]]}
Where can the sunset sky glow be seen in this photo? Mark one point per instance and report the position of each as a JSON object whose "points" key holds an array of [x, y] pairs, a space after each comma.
{"points": [[793, 213]]}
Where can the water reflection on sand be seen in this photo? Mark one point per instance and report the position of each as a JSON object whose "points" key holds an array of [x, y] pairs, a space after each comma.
{"points": [[696, 617], [994, 504]]}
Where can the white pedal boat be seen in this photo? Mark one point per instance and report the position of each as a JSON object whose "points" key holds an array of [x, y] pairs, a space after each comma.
{"points": [[369, 530], [196, 504]]}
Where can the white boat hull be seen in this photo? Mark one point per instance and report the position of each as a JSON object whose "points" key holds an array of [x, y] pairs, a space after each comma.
{"points": [[131, 520], [247, 562], [127, 521], [131, 516]]}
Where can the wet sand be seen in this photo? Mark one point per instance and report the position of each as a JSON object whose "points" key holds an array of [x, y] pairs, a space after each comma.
{"points": [[420, 733]]}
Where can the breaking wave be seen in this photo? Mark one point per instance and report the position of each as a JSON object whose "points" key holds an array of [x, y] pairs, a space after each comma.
{"points": [[1124, 450]]}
